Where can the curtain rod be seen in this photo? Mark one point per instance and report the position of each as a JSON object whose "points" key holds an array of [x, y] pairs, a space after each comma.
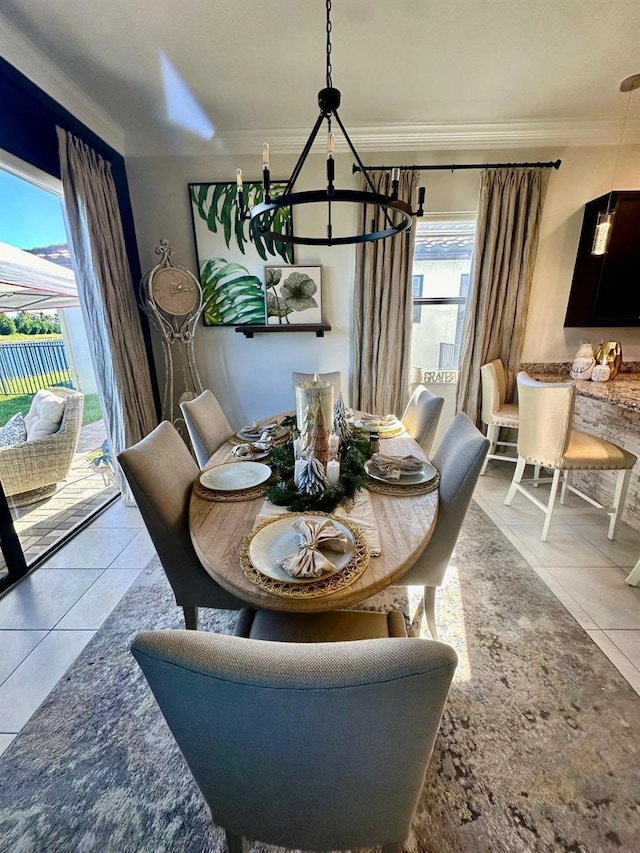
{"points": [[550, 164]]}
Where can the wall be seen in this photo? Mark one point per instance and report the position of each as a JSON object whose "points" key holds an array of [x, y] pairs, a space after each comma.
{"points": [[253, 377]]}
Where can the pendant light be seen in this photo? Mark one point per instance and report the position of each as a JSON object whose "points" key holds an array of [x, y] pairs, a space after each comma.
{"points": [[604, 222], [397, 214]]}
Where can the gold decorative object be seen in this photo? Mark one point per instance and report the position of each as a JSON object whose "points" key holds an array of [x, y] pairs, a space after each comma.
{"points": [[348, 574], [610, 353]]}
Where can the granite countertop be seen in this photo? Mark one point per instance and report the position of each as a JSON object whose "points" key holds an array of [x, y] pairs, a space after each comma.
{"points": [[623, 391]]}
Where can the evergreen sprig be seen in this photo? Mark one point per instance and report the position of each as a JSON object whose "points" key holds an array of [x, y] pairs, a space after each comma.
{"points": [[353, 454]]}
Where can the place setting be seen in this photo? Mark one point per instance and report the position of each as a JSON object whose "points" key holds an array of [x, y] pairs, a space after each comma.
{"points": [[233, 481], [304, 555], [387, 426], [258, 437], [400, 475]]}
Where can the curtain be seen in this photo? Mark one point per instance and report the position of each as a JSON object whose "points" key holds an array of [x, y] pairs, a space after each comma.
{"points": [[508, 228], [107, 297], [383, 308]]}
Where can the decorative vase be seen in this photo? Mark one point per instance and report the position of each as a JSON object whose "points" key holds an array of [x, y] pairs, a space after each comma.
{"points": [[584, 361], [601, 373], [610, 353], [308, 395]]}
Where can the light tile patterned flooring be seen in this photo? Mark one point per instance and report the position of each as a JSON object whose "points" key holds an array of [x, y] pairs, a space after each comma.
{"points": [[47, 619]]}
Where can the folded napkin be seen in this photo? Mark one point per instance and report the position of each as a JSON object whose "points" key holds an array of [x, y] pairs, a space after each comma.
{"points": [[391, 467], [257, 428], [378, 420], [359, 512], [242, 451], [308, 562]]}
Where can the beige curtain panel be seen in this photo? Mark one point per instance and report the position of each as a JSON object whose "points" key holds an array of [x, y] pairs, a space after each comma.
{"points": [[383, 309], [107, 296], [508, 228]]}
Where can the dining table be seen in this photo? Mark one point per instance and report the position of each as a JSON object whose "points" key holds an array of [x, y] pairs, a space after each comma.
{"points": [[405, 524]]}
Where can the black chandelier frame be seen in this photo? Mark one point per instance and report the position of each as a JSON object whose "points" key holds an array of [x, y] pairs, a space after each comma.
{"points": [[397, 214]]}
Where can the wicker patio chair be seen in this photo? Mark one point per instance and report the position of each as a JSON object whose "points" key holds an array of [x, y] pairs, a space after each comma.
{"points": [[31, 471]]}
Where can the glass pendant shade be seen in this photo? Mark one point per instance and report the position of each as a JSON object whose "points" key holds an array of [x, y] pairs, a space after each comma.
{"points": [[602, 233]]}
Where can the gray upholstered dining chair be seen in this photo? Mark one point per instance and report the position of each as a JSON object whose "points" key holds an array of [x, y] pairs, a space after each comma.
{"points": [[161, 472], [495, 413], [546, 438], [459, 459], [334, 378], [207, 425], [422, 415], [268, 731]]}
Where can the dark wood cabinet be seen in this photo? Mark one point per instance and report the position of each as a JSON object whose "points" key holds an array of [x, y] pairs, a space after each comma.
{"points": [[605, 290]]}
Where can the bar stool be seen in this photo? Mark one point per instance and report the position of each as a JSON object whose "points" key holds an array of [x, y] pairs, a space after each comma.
{"points": [[546, 438], [495, 413]]}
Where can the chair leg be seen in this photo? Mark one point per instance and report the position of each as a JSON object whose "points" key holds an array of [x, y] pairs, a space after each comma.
{"points": [[190, 618], [619, 497], [633, 578], [536, 476], [552, 499], [521, 464], [493, 433], [565, 486], [236, 843], [430, 610]]}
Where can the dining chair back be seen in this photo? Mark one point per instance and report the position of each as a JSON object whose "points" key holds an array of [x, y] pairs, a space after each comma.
{"points": [[334, 378], [207, 425], [458, 459], [268, 731], [422, 415], [495, 412], [161, 471], [546, 438]]}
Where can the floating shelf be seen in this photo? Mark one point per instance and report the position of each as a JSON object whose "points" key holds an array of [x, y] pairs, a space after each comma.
{"points": [[250, 330]]}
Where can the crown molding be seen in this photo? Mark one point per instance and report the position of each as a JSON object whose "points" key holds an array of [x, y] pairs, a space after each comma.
{"points": [[432, 137], [18, 51]]}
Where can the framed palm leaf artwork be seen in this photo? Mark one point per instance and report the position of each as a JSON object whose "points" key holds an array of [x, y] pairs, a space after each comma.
{"points": [[230, 261], [293, 295]]}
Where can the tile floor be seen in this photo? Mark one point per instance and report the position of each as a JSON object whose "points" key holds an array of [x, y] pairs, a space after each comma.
{"points": [[47, 619]]}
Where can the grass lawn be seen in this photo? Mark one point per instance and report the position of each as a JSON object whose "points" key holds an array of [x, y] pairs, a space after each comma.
{"points": [[20, 403]]}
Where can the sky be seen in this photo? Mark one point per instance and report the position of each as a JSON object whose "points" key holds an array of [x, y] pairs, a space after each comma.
{"points": [[29, 215]]}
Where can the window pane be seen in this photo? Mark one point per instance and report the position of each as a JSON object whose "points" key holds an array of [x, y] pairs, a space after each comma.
{"points": [[441, 268], [434, 343]]}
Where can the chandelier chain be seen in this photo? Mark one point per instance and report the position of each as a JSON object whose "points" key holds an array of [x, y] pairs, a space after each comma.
{"points": [[329, 80]]}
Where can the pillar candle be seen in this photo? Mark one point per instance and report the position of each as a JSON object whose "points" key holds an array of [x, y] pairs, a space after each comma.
{"points": [[333, 472], [299, 465], [334, 445]]}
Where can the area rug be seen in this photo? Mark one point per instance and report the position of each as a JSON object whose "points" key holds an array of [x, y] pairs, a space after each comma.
{"points": [[539, 748]]}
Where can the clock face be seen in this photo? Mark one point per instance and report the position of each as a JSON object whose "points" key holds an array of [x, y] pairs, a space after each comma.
{"points": [[175, 291]]}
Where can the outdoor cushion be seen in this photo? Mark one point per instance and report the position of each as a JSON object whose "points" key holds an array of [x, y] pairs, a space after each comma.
{"points": [[14, 431], [44, 415]]}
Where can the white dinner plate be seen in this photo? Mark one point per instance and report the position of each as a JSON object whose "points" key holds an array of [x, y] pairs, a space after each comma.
{"points": [[233, 476], [278, 539], [407, 478]]}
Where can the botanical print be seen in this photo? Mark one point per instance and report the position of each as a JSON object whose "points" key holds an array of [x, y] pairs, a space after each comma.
{"points": [[229, 258], [293, 295]]}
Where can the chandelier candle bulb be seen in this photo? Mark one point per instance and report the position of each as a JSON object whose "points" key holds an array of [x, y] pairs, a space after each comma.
{"points": [[239, 179], [265, 155]]}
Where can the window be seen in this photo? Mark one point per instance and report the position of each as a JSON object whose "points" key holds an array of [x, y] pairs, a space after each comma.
{"points": [[441, 269]]}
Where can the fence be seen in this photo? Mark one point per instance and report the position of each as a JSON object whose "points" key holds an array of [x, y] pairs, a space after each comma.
{"points": [[28, 366]]}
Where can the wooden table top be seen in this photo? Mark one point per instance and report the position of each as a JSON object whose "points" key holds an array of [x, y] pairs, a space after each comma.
{"points": [[406, 524]]}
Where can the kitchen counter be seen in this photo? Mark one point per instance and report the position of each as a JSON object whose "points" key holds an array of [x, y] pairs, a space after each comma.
{"points": [[624, 390]]}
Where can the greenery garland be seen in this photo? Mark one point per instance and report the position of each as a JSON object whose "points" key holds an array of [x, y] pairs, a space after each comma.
{"points": [[354, 452]]}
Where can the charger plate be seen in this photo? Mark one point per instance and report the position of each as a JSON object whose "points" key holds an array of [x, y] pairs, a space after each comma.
{"points": [[279, 436], [249, 492], [357, 560], [386, 487], [407, 478]]}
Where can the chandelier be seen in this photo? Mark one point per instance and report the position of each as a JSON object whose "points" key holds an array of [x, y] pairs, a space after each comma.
{"points": [[395, 216]]}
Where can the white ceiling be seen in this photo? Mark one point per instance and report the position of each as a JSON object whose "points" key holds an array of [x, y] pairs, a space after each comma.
{"points": [[413, 73]]}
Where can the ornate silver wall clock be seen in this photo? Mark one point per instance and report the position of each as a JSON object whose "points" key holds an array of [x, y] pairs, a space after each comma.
{"points": [[171, 297]]}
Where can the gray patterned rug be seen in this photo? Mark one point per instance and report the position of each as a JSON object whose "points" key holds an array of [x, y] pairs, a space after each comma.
{"points": [[539, 748]]}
